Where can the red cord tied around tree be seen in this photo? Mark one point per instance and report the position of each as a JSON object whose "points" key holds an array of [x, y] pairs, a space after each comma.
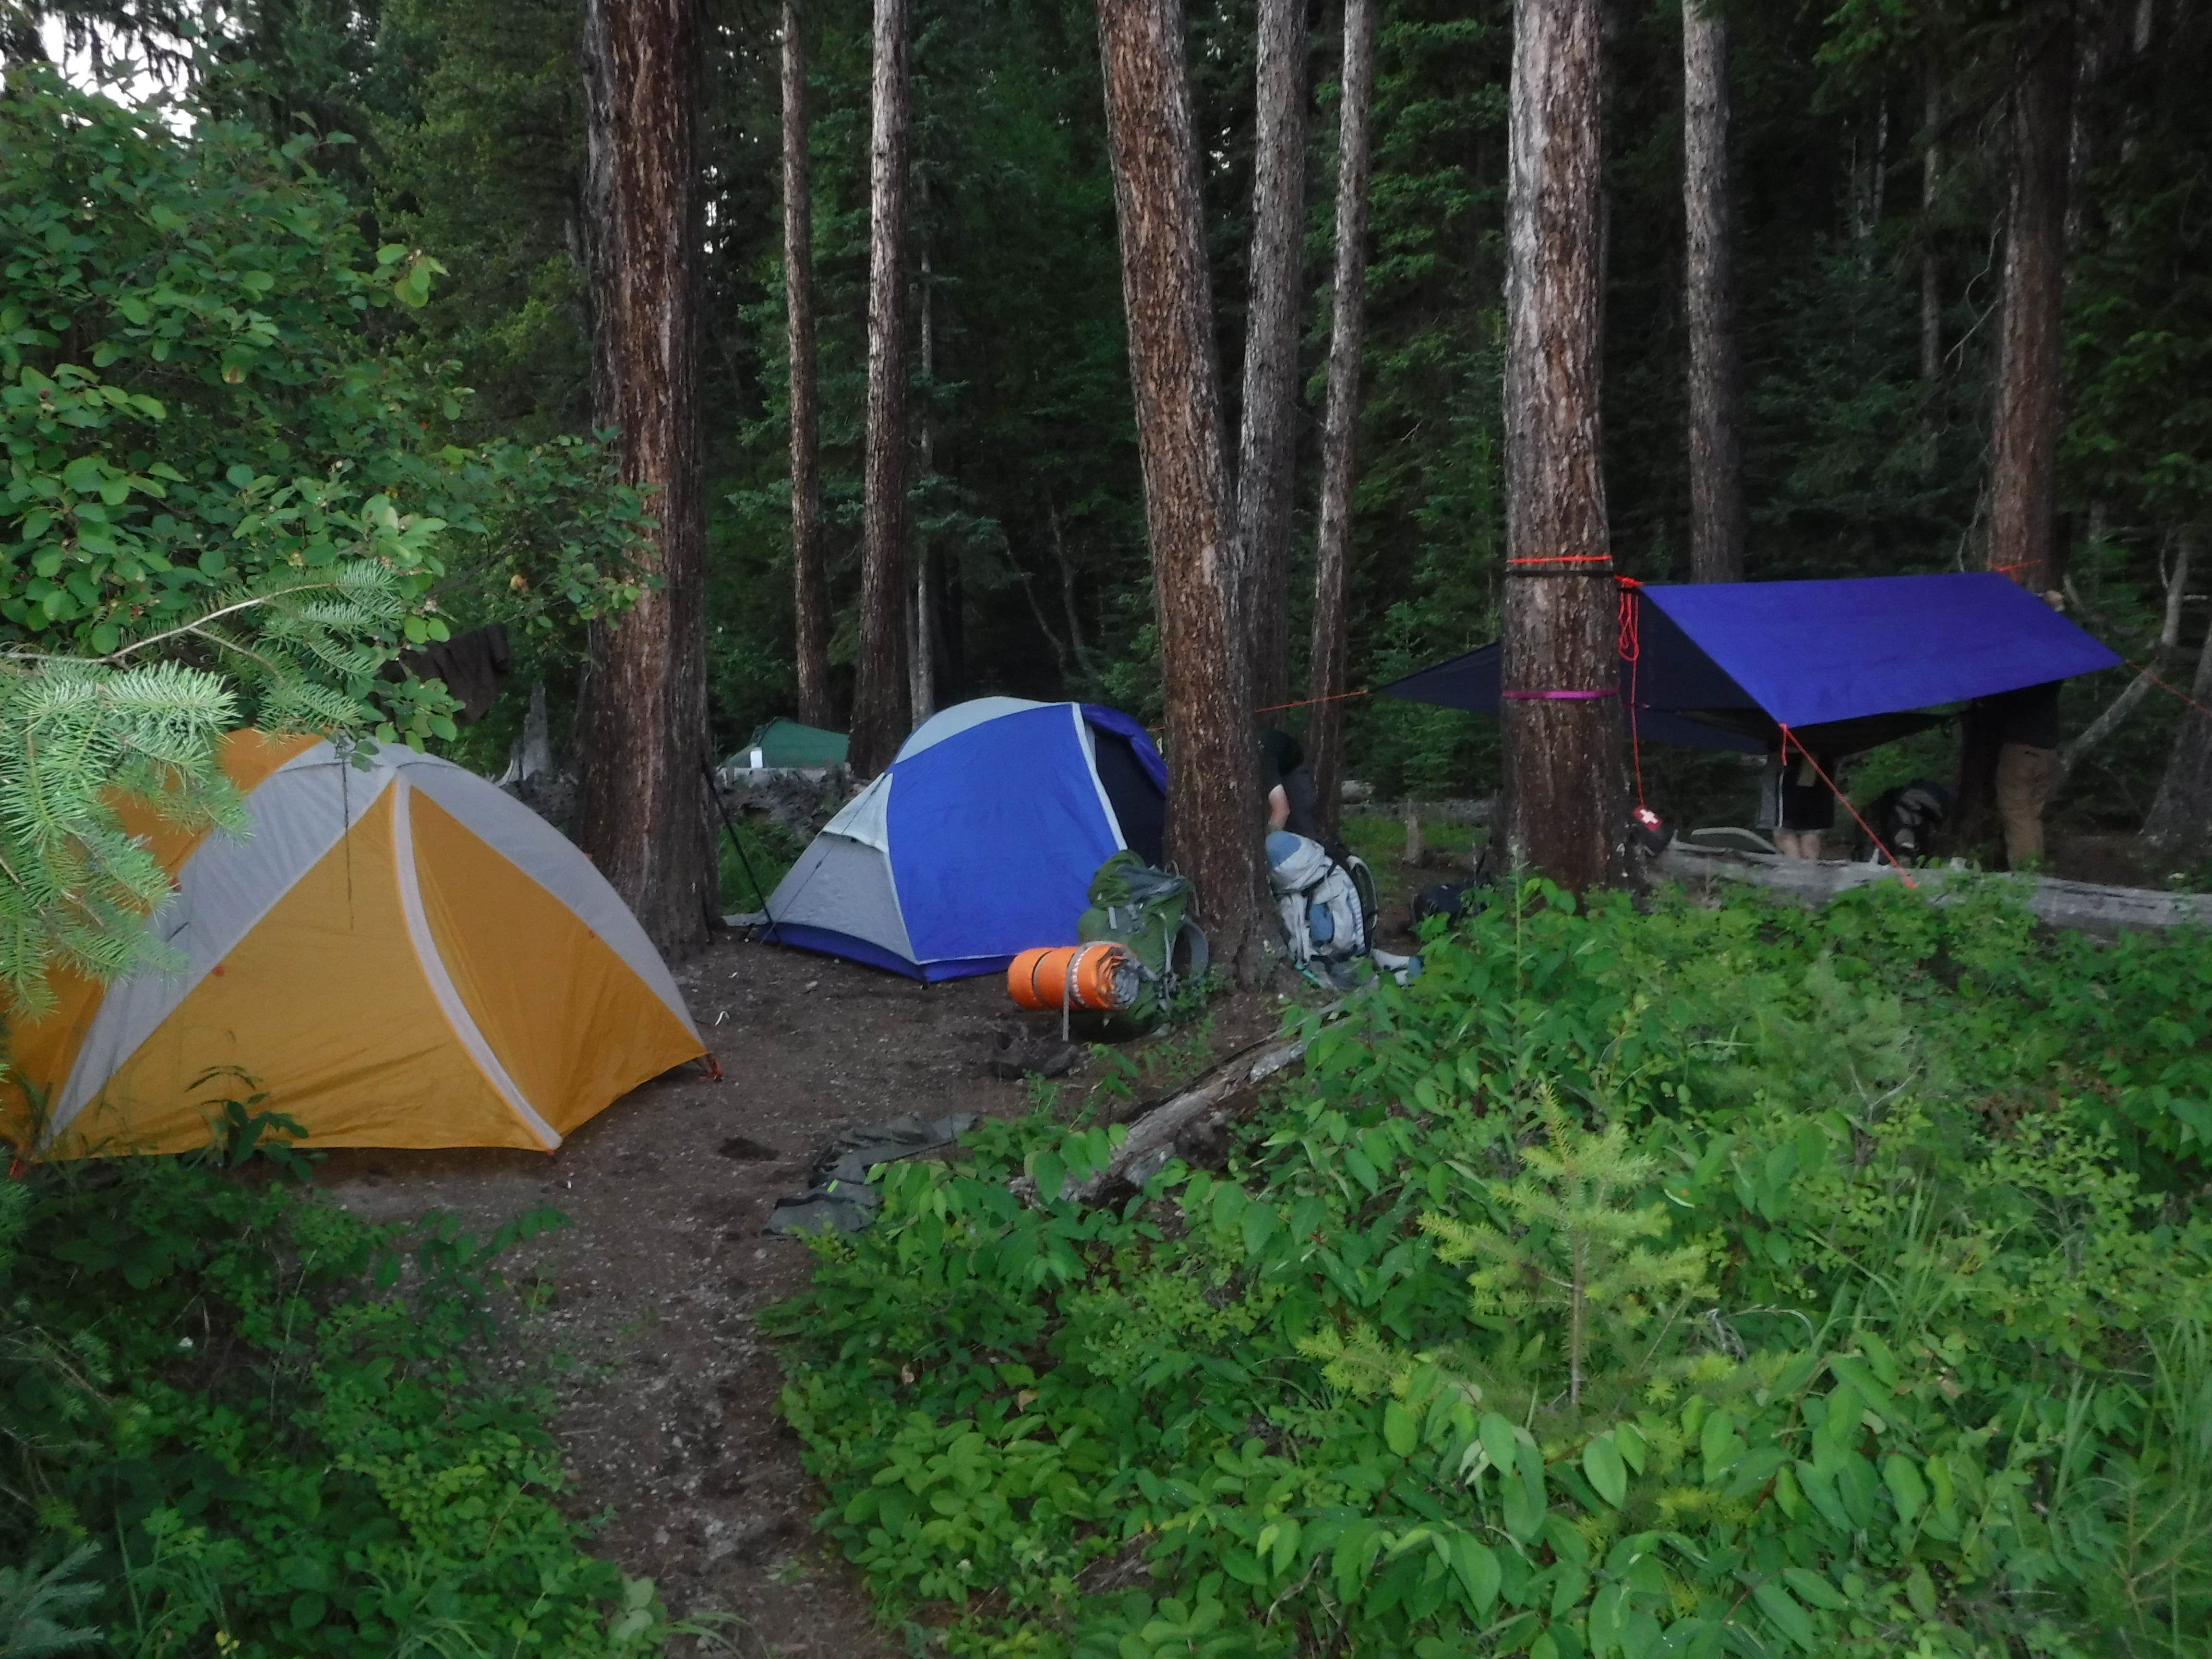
{"points": [[1631, 645]]}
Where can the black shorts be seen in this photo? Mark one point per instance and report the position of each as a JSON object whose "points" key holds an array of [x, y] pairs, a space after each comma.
{"points": [[1795, 808]]}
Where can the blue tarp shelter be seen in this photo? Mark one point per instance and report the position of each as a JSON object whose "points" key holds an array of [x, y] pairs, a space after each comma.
{"points": [[1844, 664], [978, 841]]}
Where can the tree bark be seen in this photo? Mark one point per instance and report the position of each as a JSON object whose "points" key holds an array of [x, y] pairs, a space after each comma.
{"points": [[1563, 797], [1931, 268], [1267, 449], [1214, 810], [925, 599], [1341, 424], [810, 579], [644, 807], [880, 711], [2180, 822], [2030, 410], [1716, 513]]}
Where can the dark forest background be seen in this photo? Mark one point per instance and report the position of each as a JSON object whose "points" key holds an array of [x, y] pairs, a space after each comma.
{"points": [[468, 122]]}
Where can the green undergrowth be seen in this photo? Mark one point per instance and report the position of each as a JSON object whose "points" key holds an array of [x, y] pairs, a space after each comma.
{"points": [[236, 1420], [1697, 1281], [751, 867]]}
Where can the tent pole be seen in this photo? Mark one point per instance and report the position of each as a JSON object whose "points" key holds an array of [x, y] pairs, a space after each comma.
{"points": [[714, 790]]}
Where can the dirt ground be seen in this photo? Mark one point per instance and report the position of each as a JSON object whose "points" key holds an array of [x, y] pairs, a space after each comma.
{"points": [[667, 1413]]}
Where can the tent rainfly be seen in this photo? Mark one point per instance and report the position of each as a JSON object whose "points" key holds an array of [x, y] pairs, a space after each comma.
{"points": [[398, 954], [978, 841], [1843, 664], [785, 742]]}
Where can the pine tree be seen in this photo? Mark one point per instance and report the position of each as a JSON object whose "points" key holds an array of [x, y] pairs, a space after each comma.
{"points": [[80, 735], [1331, 623], [644, 813], [1560, 722], [1574, 1240], [1214, 812], [76, 886]]}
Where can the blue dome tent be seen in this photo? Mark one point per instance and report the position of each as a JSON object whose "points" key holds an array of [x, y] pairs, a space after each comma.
{"points": [[978, 841]]}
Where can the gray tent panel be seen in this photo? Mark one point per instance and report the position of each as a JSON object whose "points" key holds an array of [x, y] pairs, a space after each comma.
{"points": [[843, 886]]}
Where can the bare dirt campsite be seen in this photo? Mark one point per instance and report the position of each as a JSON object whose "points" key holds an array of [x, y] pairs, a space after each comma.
{"points": [[640, 1310]]}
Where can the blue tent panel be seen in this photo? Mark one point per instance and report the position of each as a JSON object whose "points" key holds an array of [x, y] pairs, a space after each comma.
{"points": [[1113, 720], [1812, 652], [827, 941], [995, 834]]}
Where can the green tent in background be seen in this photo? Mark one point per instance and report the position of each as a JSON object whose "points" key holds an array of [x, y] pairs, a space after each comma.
{"points": [[787, 742]]}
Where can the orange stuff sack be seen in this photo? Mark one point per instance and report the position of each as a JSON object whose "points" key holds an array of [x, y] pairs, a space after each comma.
{"points": [[1103, 977]]}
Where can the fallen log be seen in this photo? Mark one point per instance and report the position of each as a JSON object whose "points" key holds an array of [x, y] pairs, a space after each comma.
{"points": [[2084, 906], [1157, 1130], [1432, 811]]}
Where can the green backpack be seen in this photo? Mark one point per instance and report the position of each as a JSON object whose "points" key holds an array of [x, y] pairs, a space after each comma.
{"points": [[1133, 905]]}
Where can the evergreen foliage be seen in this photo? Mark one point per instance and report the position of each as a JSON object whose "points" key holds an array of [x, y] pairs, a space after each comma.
{"points": [[1570, 1242], [74, 737], [33, 1604]]}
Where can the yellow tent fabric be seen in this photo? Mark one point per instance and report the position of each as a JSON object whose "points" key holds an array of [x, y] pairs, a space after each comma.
{"points": [[400, 955]]}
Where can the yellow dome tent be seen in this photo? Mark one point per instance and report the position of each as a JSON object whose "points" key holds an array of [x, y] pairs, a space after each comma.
{"points": [[400, 955]]}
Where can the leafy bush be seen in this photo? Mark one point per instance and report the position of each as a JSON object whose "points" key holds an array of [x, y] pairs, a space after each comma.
{"points": [[206, 384], [1851, 1298], [752, 866], [255, 1425]]}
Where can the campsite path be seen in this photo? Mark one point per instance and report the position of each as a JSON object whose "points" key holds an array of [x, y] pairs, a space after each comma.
{"points": [[667, 1413]]}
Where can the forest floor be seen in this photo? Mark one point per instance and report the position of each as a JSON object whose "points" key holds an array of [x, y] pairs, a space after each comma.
{"points": [[665, 1391]]}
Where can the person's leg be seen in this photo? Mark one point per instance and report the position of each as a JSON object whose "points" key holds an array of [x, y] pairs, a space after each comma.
{"points": [[2023, 785]]}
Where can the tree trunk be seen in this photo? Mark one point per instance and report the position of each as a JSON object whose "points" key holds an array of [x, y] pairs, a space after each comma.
{"points": [[1716, 519], [1340, 424], [1267, 451], [879, 701], [810, 580], [2029, 414], [926, 600], [644, 807], [2180, 822], [1214, 809], [1931, 268], [1561, 716]]}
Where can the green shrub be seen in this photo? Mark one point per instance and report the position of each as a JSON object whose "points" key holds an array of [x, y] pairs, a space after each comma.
{"points": [[263, 1427], [1876, 1219]]}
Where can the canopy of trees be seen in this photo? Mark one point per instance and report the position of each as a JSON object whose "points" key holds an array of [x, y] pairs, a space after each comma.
{"points": [[1849, 242]]}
